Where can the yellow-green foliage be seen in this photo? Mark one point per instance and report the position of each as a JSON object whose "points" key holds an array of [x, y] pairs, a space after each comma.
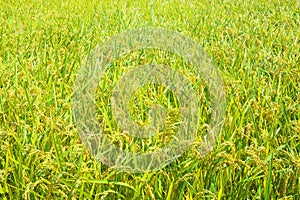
{"points": [[255, 46]]}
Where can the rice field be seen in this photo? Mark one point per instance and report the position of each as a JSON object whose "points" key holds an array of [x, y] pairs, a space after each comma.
{"points": [[255, 47]]}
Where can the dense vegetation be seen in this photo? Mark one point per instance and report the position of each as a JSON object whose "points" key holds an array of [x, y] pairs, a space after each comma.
{"points": [[255, 46]]}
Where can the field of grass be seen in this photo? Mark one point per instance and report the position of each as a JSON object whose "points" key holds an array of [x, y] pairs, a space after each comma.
{"points": [[255, 46]]}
